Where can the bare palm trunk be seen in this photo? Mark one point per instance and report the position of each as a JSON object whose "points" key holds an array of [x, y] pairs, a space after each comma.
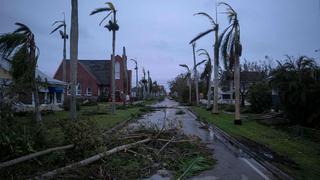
{"points": [[215, 109], [190, 88], [195, 75], [34, 85], [36, 101], [64, 64], [113, 81], [126, 84], [209, 93], [74, 35], [237, 83]]}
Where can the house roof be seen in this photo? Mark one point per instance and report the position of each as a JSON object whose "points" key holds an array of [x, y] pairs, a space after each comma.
{"points": [[98, 68], [48, 79]]}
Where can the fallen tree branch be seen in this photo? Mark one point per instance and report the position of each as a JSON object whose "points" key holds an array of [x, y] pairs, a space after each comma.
{"points": [[164, 146], [179, 141], [135, 153], [34, 155], [90, 160]]}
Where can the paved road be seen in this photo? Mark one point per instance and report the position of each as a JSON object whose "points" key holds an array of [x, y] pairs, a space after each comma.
{"points": [[231, 164]]}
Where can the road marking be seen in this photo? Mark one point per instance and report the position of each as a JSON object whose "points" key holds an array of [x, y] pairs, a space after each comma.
{"points": [[254, 168]]}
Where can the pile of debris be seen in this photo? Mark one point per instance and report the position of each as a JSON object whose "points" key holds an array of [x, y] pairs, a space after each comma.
{"points": [[123, 155]]}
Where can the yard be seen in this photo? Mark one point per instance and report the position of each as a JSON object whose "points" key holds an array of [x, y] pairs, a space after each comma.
{"points": [[301, 155]]}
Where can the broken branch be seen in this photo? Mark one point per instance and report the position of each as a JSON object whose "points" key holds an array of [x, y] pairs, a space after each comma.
{"points": [[33, 155], [90, 160]]}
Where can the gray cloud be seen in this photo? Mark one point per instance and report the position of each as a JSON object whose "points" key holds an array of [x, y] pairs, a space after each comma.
{"points": [[157, 32]]}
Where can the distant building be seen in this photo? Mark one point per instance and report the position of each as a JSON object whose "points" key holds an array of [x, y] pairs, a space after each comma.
{"points": [[226, 86], [94, 78]]}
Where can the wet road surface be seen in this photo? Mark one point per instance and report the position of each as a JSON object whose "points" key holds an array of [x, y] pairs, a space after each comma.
{"points": [[232, 164]]}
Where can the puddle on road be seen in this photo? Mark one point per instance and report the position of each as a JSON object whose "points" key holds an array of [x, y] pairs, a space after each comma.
{"points": [[166, 119]]}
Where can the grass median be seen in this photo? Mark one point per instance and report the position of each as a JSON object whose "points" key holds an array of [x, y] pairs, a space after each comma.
{"points": [[302, 151]]}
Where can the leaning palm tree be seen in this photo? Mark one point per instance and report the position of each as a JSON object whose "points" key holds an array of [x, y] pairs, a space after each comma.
{"points": [[195, 72], [208, 72], [62, 25], [231, 50], [21, 48], [217, 42], [189, 80], [74, 38], [111, 26]]}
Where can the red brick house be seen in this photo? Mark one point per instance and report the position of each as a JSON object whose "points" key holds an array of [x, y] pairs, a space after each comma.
{"points": [[94, 77]]}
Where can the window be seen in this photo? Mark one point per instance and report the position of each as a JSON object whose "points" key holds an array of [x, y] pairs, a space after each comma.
{"points": [[117, 70], [225, 96], [89, 92], [78, 89]]}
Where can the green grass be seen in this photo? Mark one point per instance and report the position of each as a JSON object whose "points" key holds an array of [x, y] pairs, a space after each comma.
{"points": [[303, 151], [101, 114]]}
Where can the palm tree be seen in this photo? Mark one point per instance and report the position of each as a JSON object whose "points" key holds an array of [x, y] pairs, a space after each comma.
{"points": [[74, 38], [21, 48], [144, 82], [64, 36], [207, 73], [126, 79], [188, 76], [217, 42], [231, 50], [112, 26], [195, 73]]}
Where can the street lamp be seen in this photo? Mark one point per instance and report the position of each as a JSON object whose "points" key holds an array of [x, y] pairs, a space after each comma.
{"points": [[136, 68]]}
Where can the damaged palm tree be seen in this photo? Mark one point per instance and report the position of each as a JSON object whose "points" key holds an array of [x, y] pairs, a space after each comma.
{"points": [[207, 74], [189, 79], [21, 48], [64, 36], [231, 49], [217, 43], [111, 26]]}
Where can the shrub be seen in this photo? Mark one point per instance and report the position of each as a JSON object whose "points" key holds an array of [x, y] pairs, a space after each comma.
{"points": [[84, 134], [259, 96]]}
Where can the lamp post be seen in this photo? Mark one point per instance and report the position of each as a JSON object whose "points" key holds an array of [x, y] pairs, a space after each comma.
{"points": [[136, 68]]}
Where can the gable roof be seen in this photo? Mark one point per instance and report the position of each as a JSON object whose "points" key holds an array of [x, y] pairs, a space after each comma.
{"points": [[98, 68]]}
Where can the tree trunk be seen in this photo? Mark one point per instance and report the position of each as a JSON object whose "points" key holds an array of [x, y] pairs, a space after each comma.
{"points": [[33, 155], [90, 160], [113, 81], [209, 93], [195, 74], [36, 101], [74, 36], [237, 91], [126, 83], [237, 84], [34, 85], [64, 64], [215, 109], [190, 89]]}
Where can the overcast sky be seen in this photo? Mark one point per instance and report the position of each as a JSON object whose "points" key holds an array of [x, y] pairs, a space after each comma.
{"points": [[157, 32]]}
